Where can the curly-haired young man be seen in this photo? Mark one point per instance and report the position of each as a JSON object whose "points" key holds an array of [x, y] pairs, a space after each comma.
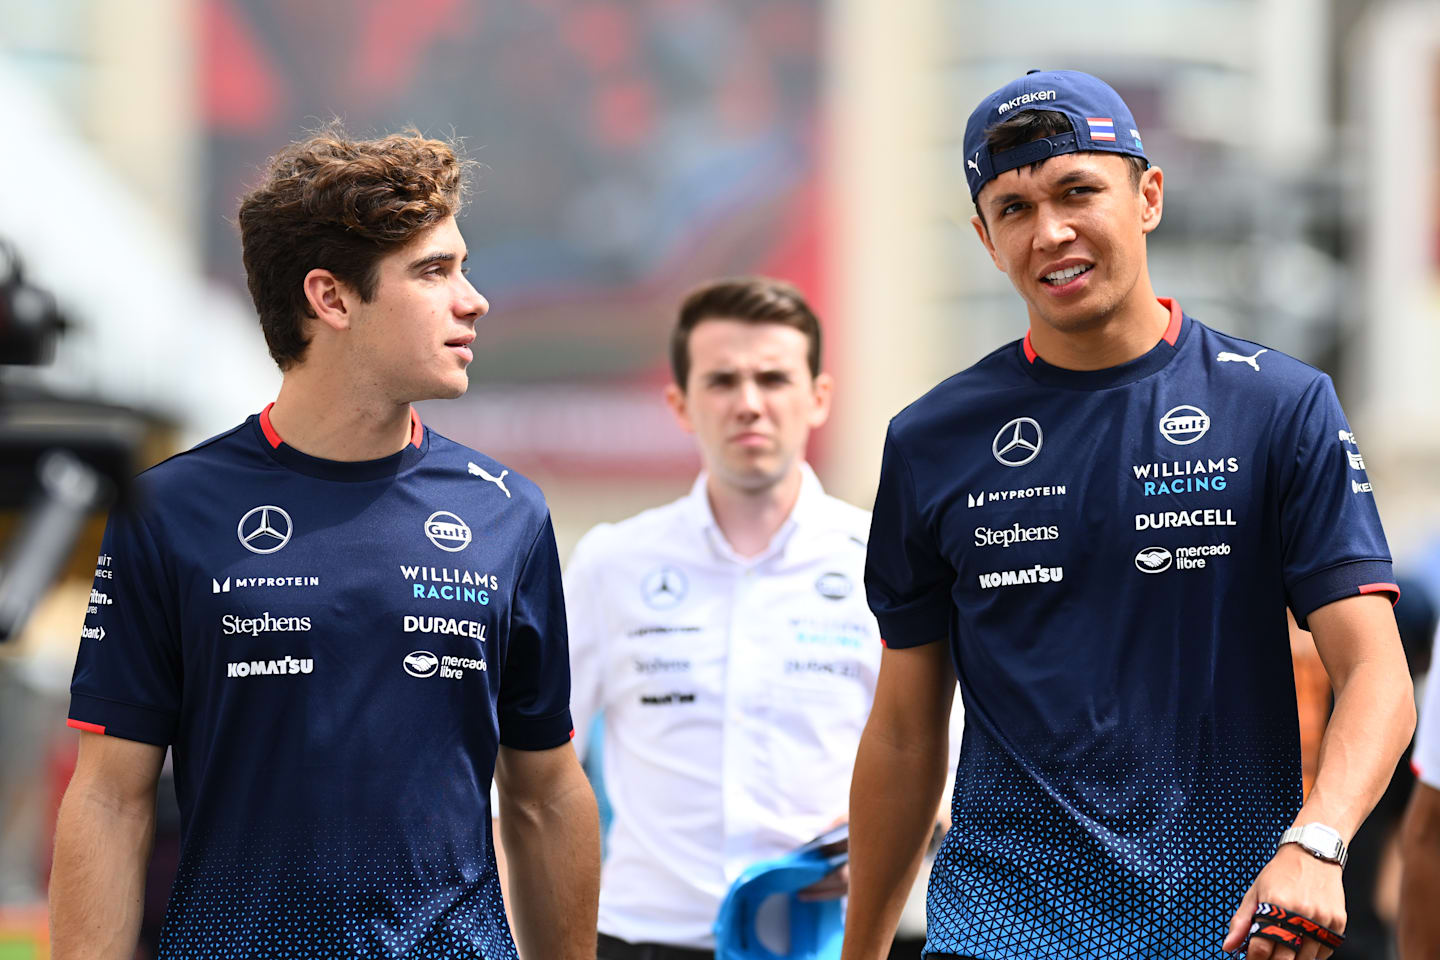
{"points": [[341, 622]]}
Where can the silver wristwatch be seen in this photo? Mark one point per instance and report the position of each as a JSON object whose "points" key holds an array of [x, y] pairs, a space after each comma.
{"points": [[1319, 841]]}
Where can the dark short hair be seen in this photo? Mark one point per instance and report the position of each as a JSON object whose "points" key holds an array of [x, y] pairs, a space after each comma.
{"points": [[749, 300], [338, 204], [1027, 126]]}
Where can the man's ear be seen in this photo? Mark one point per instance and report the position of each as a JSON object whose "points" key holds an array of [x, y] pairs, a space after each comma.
{"points": [[331, 301], [675, 400], [983, 233], [1152, 198], [824, 392]]}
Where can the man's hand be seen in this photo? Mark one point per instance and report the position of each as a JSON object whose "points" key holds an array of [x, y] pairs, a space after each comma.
{"points": [[836, 883], [1301, 884], [1372, 721], [832, 886]]}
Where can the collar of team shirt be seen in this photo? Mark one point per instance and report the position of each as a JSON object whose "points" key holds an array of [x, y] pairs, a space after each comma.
{"points": [[698, 503]]}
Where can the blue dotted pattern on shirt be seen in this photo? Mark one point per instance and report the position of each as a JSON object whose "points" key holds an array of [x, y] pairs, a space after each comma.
{"points": [[1153, 874]]}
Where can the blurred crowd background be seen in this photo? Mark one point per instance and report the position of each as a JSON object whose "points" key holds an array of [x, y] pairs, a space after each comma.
{"points": [[630, 149]]}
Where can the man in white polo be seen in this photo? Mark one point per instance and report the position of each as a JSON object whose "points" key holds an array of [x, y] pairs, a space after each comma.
{"points": [[725, 635]]}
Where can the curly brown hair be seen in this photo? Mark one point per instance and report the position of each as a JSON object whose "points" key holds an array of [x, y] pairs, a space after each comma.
{"points": [[338, 204], [750, 300]]}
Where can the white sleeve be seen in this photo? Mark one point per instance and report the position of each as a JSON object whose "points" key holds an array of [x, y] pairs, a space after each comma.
{"points": [[1426, 756], [585, 617], [957, 733]]}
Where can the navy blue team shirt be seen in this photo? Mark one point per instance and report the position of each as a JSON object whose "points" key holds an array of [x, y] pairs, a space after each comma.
{"points": [[334, 652], [1109, 555]]}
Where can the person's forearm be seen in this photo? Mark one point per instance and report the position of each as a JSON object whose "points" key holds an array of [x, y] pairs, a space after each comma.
{"points": [[552, 849], [893, 797], [1419, 926], [97, 882], [1372, 722]]}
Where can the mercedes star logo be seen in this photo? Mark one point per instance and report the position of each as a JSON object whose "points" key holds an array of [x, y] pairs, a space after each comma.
{"points": [[665, 588], [1018, 442], [264, 529]]}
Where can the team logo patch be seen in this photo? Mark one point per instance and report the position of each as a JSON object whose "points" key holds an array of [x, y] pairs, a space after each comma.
{"points": [[1153, 560], [421, 663], [1184, 424], [665, 588], [834, 585], [1018, 442], [264, 529], [447, 531]]}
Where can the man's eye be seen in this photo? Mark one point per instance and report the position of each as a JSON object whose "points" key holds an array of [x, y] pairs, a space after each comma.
{"points": [[1010, 208]]}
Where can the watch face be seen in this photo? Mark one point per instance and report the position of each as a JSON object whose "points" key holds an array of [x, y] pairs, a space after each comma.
{"points": [[1322, 840]]}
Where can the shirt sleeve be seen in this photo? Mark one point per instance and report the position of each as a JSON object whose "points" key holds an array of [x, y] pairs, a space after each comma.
{"points": [[1334, 545], [534, 702], [127, 680], [1426, 756], [907, 580], [586, 616]]}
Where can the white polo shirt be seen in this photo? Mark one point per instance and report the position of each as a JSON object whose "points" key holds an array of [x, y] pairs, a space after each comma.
{"points": [[1425, 758], [735, 691]]}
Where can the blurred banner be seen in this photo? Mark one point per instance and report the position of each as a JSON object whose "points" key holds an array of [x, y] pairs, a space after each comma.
{"points": [[629, 150]]}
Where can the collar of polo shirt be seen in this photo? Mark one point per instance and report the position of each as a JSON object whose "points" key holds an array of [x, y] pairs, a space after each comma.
{"points": [[811, 495]]}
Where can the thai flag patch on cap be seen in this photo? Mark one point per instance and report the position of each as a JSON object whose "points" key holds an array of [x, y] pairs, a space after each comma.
{"points": [[1101, 128]]}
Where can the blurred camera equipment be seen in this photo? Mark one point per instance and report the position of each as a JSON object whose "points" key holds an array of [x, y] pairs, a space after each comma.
{"points": [[60, 459]]}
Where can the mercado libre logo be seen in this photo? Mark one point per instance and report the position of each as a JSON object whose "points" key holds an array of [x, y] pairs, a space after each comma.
{"points": [[421, 663]]}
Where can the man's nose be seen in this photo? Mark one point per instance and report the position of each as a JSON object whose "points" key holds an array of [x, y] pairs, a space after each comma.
{"points": [[748, 400], [471, 304], [1052, 228]]}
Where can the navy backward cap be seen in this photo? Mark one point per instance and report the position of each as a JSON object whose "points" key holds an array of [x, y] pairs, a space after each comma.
{"points": [[1099, 118]]}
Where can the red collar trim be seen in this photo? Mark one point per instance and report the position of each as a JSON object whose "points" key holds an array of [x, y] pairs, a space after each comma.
{"points": [[268, 428], [417, 429], [1172, 332]]}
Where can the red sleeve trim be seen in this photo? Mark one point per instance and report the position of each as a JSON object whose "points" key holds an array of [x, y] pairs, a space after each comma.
{"points": [[1393, 588], [267, 427], [884, 644], [82, 725]]}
